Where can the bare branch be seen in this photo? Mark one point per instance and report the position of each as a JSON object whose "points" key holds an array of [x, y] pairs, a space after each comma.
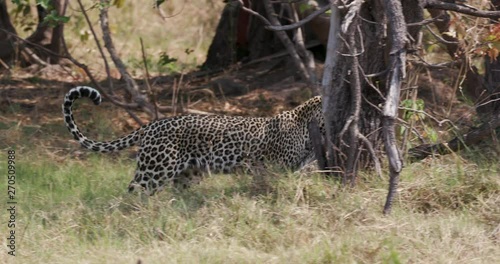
{"points": [[306, 75], [148, 85], [369, 146], [397, 34], [162, 14], [349, 17], [355, 95], [300, 23], [99, 47], [250, 11], [460, 8], [109, 96], [426, 21], [439, 37], [471, 138], [306, 55]]}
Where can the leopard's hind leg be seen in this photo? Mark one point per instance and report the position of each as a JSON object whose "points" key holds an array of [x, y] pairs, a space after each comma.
{"points": [[188, 177]]}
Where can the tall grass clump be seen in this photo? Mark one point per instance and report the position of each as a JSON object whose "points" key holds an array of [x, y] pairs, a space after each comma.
{"points": [[78, 211]]}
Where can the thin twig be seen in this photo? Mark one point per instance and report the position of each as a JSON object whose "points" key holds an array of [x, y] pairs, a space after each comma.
{"points": [[148, 85], [440, 123], [425, 21], [439, 37], [371, 150], [489, 101], [468, 10], [299, 23]]}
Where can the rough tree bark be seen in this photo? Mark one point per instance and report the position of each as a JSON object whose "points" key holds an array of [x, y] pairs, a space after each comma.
{"points": [[50, 38], [375, 52], [382, 52], [490, 107], [366, 57], [240, 36], [397, 70]]}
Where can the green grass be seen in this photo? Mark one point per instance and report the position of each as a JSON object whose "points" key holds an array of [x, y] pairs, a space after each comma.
{"points": [[78, 211]]}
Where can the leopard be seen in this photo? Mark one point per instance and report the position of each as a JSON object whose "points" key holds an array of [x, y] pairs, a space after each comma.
{"points": [[173, 148]]}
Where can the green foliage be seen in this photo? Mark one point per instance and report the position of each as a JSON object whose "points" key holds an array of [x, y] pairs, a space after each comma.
{"points": [[165, 59], [303, 7], [417, 105], [52, 19], [119, 3], [44, 3], [413, 112], [163, 65]]}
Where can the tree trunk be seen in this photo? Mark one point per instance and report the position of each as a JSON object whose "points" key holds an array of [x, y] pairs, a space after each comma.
{"points": [[222, 50], [373, 59], [7, 34], [371, 41], [242, 37], [43, 46], [50, 38]]}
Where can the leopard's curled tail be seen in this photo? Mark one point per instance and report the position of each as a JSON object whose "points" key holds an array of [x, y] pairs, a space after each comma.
{"points": [[104, 146]]}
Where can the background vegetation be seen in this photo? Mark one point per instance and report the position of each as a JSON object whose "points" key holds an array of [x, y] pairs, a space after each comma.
{"points": [[76, 211], [73, 206]]}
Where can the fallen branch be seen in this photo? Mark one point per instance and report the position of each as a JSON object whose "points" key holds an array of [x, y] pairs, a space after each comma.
{"points": [[460, 8]]}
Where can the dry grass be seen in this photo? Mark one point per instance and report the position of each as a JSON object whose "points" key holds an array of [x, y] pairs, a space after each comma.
{"points": [[78, 212]]}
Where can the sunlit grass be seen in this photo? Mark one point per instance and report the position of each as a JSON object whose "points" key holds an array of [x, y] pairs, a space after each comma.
{"points": [[78, 211]]}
